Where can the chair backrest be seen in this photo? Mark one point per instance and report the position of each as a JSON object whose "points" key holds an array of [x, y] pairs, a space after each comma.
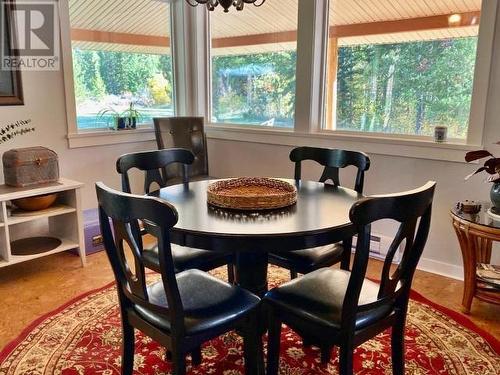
{"points": [[125, 211], [332, 160], [412, 210], [185, 132], [153, 164]]}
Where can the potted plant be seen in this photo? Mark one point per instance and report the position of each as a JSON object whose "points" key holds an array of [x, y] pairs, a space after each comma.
{"points": [[119, 121], [131, 115], [490, 166], [124, 120]]}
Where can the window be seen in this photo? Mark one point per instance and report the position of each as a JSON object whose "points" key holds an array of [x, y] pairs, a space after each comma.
{"points": [[253, 59], [415, 75], [122, 67]]}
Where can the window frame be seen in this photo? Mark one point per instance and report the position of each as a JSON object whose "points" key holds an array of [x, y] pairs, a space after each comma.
{"points": [[98, 137], [479, 88], [190, 34], [310, 114], [209, 100]]}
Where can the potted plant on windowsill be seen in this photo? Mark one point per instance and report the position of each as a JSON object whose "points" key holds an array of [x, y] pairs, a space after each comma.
{"points": [[118, 121], [125, 120], [132, 116], [490, 166]]}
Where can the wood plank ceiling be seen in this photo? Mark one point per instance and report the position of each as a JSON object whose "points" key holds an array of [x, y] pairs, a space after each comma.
{"points": [[151, 17]]}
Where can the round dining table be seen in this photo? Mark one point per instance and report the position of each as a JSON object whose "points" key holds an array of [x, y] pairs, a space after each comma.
{"points": [[320, 217]]}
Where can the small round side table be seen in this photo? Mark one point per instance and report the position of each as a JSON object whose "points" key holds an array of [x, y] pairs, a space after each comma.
{"points": [[476, 233]]}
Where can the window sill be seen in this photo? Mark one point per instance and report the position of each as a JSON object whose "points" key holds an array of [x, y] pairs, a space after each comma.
{"points": [[372, 144], [92, 138]]}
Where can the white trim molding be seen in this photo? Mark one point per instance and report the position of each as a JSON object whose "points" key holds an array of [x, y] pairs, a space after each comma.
{"points": [[440, 268], [490, 12], [412, 148], [312, 37], [110, 137]]}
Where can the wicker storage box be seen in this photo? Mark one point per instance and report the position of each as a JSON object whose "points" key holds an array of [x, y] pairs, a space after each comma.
{"points": [[30, 166]]}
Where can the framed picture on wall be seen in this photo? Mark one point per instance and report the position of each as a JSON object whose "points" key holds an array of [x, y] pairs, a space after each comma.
{"points": [[11, 91]]}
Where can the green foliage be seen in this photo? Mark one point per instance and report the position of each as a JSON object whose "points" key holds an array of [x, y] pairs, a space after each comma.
{"points": [[88, 80], [257, 86], [99, 73], [160, 89], [127, 72], [406, 88]]}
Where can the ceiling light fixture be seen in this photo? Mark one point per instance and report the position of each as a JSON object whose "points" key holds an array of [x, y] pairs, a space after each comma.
{"points": [[226, 4]]}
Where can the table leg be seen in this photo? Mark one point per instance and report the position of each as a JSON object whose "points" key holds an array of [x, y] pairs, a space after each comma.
{"points": [[475, 249], [251, 271], [469, 261]]}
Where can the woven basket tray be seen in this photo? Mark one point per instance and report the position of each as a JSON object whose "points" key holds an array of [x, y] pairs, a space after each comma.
{"points": [[251, 193]]}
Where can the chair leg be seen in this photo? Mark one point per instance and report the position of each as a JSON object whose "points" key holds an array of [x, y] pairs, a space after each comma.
{"points": [[168, 355], [128, 347], [293, 274], [273, 344], [179, 362], [345, 262], [325, 354], [253, 351], [306, 343], [346, 353], [230, 273], [398, 347], [196, 356]]}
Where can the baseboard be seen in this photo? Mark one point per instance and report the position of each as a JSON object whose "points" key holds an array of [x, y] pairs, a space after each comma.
{"points": [[444, 269]]}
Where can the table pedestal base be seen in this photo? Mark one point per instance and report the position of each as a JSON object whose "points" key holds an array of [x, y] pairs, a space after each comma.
{"points": [[251, 272]]}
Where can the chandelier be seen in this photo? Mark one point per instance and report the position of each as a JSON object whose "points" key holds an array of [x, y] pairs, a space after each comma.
{"points": [[226, 4]]}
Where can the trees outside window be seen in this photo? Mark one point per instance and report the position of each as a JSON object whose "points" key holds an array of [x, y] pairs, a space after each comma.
{"points": [[406, 88], [107, 79], [254, 89], [253, 60]]}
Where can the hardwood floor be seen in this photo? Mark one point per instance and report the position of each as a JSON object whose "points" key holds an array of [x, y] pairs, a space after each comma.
{"points": [[32, 289]]}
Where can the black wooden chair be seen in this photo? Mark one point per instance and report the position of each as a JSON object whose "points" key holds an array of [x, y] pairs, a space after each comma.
{"points": [[153, 164], [188, 133], [336, 307], [180, 311], [308, 260]]}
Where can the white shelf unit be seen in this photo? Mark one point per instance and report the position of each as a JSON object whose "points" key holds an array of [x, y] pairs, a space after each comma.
{"points": [[63, 220]]}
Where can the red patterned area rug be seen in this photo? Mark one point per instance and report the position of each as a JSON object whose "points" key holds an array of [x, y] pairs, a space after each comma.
{"points": [[83, 337]]}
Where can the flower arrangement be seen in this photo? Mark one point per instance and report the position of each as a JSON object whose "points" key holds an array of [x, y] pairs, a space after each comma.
{"points": [[18, 128]]}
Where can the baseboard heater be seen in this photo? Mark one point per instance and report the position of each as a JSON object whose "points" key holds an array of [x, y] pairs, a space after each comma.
{"points": [[379, 246]]}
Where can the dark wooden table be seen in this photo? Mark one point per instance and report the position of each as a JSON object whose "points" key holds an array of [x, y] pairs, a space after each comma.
{"points": [[320, 217]]}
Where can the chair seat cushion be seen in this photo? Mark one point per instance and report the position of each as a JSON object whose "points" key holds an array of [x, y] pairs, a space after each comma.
{"points": [[186, 258], [209, 303], [319, 295], [308, 259]]}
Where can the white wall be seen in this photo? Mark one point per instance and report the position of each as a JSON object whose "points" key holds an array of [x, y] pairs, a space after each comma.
{"points": [[45, 105]]}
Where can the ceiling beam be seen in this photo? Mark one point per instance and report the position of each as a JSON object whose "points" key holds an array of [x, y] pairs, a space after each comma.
{"points": [[342, 31], [84, 35], [245, 40], [443, 21]]}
